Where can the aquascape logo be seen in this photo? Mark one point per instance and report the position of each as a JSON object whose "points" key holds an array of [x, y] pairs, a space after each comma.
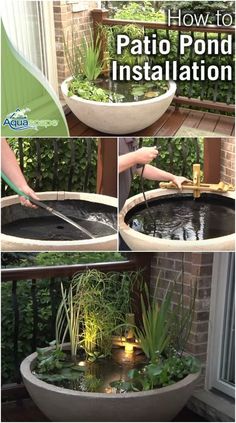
{"points": [[19, 121]]}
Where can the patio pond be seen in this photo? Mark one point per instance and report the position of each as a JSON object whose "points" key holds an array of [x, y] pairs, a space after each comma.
{"points": [[181, 217], [126, 92], [97, 376]]}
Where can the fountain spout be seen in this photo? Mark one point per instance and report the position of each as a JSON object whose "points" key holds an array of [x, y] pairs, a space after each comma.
{"points": [[197, 187], [196, 180]]}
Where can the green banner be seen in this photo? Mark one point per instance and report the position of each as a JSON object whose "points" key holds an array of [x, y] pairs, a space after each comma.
{"points": [[30, 107]]}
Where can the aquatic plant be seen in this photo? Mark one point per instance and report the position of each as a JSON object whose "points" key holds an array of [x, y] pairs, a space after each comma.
{"points": [[154, 335], [93, 309], [84, 58], [72, 52], [157, 375], [87, 90], [90, 91], [89, 57], [165, 326]]}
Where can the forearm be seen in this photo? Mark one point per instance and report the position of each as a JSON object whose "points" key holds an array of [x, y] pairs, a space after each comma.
{"points": [[10, 166], [126, 161], [155, 174]]}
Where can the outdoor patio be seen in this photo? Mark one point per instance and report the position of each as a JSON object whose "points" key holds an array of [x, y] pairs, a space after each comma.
{"points": [[178, 122], [198, 267], [189, 115]]}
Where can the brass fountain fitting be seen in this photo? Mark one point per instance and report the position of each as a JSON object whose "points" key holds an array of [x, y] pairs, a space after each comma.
{"points": [[196, 180], [197, 186]]}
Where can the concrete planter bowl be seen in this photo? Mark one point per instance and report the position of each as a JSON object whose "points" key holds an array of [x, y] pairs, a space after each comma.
{"points": [[138, 241], [119, 118], [65, 405], [101, 243]]}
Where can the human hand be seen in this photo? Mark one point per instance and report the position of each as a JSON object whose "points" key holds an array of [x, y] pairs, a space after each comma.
{"points": [[145, 155], [179, 180], [28, 191]]}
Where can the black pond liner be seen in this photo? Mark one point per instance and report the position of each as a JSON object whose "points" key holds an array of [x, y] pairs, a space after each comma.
{"points": [[22, 222], [181, 217]]}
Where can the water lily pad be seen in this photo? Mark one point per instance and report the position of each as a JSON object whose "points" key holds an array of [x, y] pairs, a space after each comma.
{"points": [[149, 85], [138, 91], [151, 94]]}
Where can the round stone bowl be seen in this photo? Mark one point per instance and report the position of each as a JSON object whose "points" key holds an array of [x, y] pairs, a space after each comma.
{"points": [[101, 209], [66, 405], [119, 118], [138, 241]]}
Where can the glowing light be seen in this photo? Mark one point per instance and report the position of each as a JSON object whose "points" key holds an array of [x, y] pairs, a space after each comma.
{"points": [[82, 363], [129, 349]]}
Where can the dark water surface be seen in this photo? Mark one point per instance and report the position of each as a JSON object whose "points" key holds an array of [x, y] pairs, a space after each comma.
{"points": [[184, 218], [122, 92], [97, 376], [23, 222], [52, 228]]}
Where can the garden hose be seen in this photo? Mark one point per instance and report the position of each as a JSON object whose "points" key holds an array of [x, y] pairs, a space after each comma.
{"points": [[14, 187], [144, 195], [44, 206]]}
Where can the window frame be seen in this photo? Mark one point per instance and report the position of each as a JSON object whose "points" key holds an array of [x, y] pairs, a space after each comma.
{"points": [[220, 275]]}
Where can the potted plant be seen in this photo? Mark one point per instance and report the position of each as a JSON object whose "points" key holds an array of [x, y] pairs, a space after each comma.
{"points": [[108, 106], [111, 368]]}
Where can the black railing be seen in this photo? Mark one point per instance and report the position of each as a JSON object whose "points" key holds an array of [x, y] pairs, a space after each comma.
{"points": [[180, 155], [68, 165]]}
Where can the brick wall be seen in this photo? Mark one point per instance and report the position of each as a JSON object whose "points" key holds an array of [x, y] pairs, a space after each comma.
{"points": [[64, 18], [197, 268], [228, 160]]}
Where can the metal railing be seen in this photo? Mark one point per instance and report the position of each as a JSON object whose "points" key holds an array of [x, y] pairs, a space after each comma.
{"points": [[60, 171]]}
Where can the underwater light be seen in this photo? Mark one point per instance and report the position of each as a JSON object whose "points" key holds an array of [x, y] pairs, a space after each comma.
{"points": [[129, 348]]}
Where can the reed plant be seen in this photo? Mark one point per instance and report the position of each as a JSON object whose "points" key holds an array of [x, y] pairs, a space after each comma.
{"points": [[84, 59], [165, 326], [154, 335], [93, 309]]}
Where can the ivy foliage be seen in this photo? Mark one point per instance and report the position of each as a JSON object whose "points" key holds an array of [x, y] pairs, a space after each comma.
{"points": [[57, 164], [176, 155], [200, 7], [140, 11], [222, 91], [47, 298]]}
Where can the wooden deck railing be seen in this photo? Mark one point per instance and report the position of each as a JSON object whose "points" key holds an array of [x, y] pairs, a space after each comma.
{"points": [[53, 276], [100, 17]]}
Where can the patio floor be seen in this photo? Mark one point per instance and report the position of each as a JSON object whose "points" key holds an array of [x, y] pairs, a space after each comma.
{"points": [[26, 411], [180, 122]]}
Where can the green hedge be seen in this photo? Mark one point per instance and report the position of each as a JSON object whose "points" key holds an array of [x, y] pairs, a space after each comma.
{"points": [[208, 90], [48, 160], [176, 155]]}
